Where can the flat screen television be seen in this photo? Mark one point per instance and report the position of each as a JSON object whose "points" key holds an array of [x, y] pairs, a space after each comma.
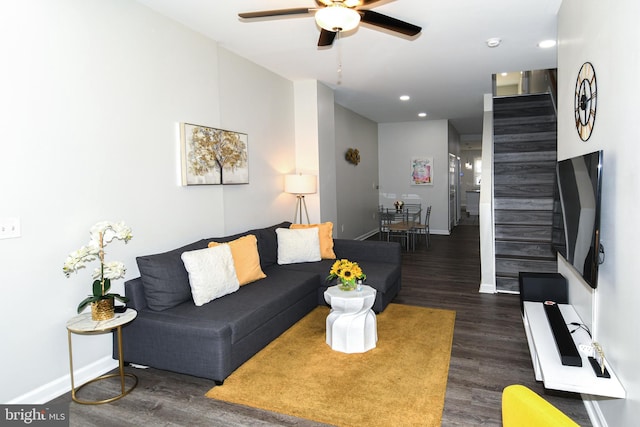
{"points": [[576, 213]]}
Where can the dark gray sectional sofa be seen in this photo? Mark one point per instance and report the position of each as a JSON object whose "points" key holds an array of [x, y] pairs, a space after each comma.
{"points": [[211, 341]]}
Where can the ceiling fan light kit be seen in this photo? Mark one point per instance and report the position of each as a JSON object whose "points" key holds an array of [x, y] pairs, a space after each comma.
{"points": [[337, 18]]}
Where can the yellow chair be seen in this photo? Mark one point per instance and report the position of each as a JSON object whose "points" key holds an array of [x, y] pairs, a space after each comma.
{"points": [[522, 407]]}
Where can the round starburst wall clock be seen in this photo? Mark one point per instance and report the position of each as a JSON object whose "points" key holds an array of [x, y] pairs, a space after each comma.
{"points": [[585, 101]]}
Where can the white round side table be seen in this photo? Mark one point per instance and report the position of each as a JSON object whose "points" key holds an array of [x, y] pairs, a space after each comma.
{"points": [[351, 324], [83, 325]]}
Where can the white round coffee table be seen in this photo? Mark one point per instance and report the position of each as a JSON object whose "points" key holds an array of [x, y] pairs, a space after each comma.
{"points": [[351, 324]]}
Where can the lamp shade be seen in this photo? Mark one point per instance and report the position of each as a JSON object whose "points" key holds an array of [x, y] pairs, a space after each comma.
{"points": [[300, 184], [337, 18]]}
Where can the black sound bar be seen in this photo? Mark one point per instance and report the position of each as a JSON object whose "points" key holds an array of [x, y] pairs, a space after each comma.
{"points": [[566, 347]]}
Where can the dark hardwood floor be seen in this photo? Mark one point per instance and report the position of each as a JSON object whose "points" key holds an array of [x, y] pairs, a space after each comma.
{"points": [[489, 352], [490, 349]]}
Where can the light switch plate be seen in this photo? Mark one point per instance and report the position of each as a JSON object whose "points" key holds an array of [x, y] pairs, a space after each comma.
{"points": [[9, 228]]}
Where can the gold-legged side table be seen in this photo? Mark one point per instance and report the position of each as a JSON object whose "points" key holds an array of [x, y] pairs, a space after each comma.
{"points": [[83, 325]]}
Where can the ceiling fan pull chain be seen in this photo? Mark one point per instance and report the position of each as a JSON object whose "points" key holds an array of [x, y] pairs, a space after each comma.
{"points": [[339, 46]]}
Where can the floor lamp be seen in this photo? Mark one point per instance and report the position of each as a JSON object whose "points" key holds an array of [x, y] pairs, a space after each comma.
{"points": [[300, 185]]}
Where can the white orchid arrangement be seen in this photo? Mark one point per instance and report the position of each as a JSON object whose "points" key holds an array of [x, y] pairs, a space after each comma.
{"points": [[101, 233]]}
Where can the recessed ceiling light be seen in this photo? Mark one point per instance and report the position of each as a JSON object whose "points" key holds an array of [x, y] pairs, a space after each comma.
{"points": [[546, 44], [404, 97], [504, 74], [422, 114], [494, 42]]}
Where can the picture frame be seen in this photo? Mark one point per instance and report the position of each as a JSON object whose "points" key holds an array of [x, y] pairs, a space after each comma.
{"points": [[211, 156], [422, 171]]}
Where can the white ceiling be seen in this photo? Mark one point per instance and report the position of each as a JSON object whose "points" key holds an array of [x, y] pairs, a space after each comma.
{"points": [[446, 69]]}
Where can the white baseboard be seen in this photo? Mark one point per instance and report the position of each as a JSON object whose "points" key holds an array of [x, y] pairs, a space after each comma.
{"points": [[440, 232], [62, 385], [593, 410], [365, 236], [487, 288]]}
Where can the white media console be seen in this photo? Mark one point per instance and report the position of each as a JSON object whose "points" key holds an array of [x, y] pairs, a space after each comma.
{"points": [[546, 359]]}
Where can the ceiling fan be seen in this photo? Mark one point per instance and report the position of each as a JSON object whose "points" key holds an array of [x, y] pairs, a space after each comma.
{"points": [[334, 16]]}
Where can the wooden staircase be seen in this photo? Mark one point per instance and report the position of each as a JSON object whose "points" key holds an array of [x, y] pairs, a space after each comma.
{"points": [[524, 172]]}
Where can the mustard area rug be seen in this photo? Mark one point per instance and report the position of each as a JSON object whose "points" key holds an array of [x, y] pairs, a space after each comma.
{"points": [[401, 382]]}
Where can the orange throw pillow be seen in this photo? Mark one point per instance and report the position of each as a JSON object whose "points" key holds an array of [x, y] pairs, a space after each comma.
{"points": [[246, 258], [325, 231]]}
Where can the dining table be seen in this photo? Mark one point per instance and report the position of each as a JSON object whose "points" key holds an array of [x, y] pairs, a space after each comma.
{"points": [[410, 214]]}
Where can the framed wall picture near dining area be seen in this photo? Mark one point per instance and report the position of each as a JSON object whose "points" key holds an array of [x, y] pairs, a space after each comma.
{"points": [[422, 171]]}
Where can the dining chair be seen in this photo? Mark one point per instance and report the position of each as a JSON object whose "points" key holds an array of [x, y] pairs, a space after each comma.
{"points": [[400, 227], [385, 219], [422, 228]]}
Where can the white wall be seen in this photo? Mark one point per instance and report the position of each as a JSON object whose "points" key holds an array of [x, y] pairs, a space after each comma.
{"points": [[92, 92], [357, 192], [327, 154], [259, 103], [315, 143], [487, 227], [397, 144], [607, 35]]}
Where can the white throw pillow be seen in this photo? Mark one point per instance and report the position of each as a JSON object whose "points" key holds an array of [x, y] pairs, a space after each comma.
{"points": [[298, 245], [211, 273]]}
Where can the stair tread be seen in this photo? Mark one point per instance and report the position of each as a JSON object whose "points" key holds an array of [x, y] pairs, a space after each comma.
{"points": [[525, 141], [509, 257]]}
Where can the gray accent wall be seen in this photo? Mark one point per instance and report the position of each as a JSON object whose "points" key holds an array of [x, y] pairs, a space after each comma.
{"points": [[356, 185]]}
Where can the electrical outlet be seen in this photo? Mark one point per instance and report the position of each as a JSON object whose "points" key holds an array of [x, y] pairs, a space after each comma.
{"points": [[9, 228]]}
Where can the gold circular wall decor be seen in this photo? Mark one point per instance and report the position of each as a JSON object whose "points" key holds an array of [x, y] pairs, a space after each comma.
{"points": [[584, 105], [352, 156]]}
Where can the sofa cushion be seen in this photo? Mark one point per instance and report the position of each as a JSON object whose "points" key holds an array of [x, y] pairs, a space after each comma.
{"points": [[164, 278], [325, 232], [246, 258], [301, 245], [321, 268], [268, 244], [252, 305], [380, 275], [211, 273]]}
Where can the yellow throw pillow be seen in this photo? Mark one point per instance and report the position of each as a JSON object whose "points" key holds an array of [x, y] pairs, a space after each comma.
{"points": [[325, 231], [246, 258]]}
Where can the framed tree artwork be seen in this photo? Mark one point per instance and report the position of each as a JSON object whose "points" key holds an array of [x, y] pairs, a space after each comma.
{"points": [[213, 156], [422, 171]]}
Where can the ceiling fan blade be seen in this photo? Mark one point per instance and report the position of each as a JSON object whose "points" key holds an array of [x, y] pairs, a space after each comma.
{"points": [[347, 3], [278, 12], [326, 37], [393, 24]]}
